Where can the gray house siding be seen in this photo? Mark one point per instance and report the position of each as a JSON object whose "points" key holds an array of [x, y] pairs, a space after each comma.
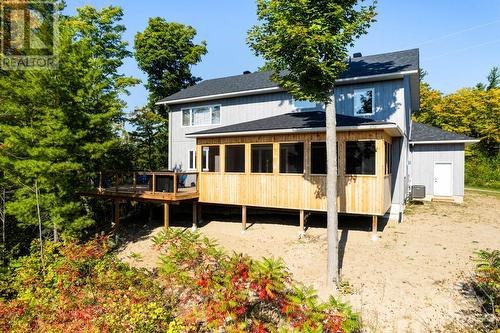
{"points": [[389, 100], [423, 158], [233, 110]]}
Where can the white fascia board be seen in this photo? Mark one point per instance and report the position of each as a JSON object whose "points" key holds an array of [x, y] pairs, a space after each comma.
{"points": [[225, 95], [376, 77], [443, 142], [389, 127]]}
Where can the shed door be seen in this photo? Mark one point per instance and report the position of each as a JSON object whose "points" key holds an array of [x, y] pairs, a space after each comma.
{"points": [[443, 179]]}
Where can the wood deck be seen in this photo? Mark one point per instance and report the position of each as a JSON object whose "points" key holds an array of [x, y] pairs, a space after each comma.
{"points": [[145, 186]]}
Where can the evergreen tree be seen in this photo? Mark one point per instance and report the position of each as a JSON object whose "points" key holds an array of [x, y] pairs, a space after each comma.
{"points": [[60, 126]]}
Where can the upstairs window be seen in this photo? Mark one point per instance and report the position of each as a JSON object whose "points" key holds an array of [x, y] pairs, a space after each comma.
{"points": [[210, 159], [360, 157], [292, 157], [388, 158], [364, 101], [200, 116], [262, 158], [235, 158], [302, 105]]}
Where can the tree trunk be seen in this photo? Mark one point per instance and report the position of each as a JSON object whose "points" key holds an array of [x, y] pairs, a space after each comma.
{"points": [[56, 233], [331, 193]]}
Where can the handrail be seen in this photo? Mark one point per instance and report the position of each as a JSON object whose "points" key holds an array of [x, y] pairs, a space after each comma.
{"points": [[127, 181]]}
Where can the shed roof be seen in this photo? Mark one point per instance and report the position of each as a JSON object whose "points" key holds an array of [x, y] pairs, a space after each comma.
{"points": [[422, 133]]}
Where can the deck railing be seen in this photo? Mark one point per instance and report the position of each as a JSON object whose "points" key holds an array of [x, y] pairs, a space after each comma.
{"points": [[152, 182]]}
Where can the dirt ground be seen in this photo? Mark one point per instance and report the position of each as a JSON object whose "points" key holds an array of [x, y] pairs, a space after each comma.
{"points": [[409, 280]]}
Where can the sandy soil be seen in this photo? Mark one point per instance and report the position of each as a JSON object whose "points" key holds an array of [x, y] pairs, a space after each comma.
{"points": [[409, 280]]}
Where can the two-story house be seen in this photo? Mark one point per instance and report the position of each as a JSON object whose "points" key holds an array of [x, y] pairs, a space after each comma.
{"points": [[254, 145]]}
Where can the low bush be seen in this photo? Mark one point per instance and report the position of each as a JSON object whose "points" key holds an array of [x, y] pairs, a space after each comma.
{"points": [[81, 288], [486, 284], [483, 171], [233, 293], [198, 288]]}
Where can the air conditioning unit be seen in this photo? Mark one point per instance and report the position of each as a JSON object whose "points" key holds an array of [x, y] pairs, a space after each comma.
{"points": [[418, 192]]}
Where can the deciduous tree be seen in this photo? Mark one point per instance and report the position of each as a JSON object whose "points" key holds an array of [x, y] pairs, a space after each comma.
{"points": [[305, 43], [165, 51]]}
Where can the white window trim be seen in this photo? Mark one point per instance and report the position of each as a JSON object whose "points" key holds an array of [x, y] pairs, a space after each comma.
{"points": [[205, 150], [194, 159], [356, 92], [210, 107]]}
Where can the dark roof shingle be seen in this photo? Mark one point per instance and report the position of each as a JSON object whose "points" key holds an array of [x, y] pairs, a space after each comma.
{"points": [[294, 120], [385, 63], [422, 132]]}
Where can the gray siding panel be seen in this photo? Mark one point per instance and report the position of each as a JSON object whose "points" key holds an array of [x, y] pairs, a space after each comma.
{"points": [[389, 100], [423, 158], [233, 110]]}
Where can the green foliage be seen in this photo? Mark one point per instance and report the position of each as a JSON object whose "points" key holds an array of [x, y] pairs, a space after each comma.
{"points": [[83, 289], [233, 293], [474, 112], [165, 51], [150, 137], [58, 126], [306, 43], [487, 281], [468, 111], [483, 171]]}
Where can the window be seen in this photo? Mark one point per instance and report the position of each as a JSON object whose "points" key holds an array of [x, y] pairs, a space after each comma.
{"points": [[360, 157], [211, 159], [192, 159], [300, 105], [292, 157], [235, 158], [363, 101], [318, 158], [262, 158], [388, 158], [205, 115]]}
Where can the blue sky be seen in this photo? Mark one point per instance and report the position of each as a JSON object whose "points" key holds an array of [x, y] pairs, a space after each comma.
{"points": [[459, 41]]}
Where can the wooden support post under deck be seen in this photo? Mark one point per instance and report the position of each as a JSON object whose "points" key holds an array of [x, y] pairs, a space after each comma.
{"points": [[117, 213], [195, 215], [166, 215], [175, 183], [302, 224], [243, 218], [198, 211], [374, 226]]}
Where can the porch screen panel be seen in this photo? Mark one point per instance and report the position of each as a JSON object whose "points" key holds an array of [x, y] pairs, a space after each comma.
{"points": [[262, 158], [211, 159], [360, 158], [235, 158], [318, 158], [292, 157]]}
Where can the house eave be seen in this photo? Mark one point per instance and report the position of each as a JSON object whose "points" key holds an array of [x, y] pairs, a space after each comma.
{"points": [[357, 79], [219, 96], [391, 129], [471, 141]]}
